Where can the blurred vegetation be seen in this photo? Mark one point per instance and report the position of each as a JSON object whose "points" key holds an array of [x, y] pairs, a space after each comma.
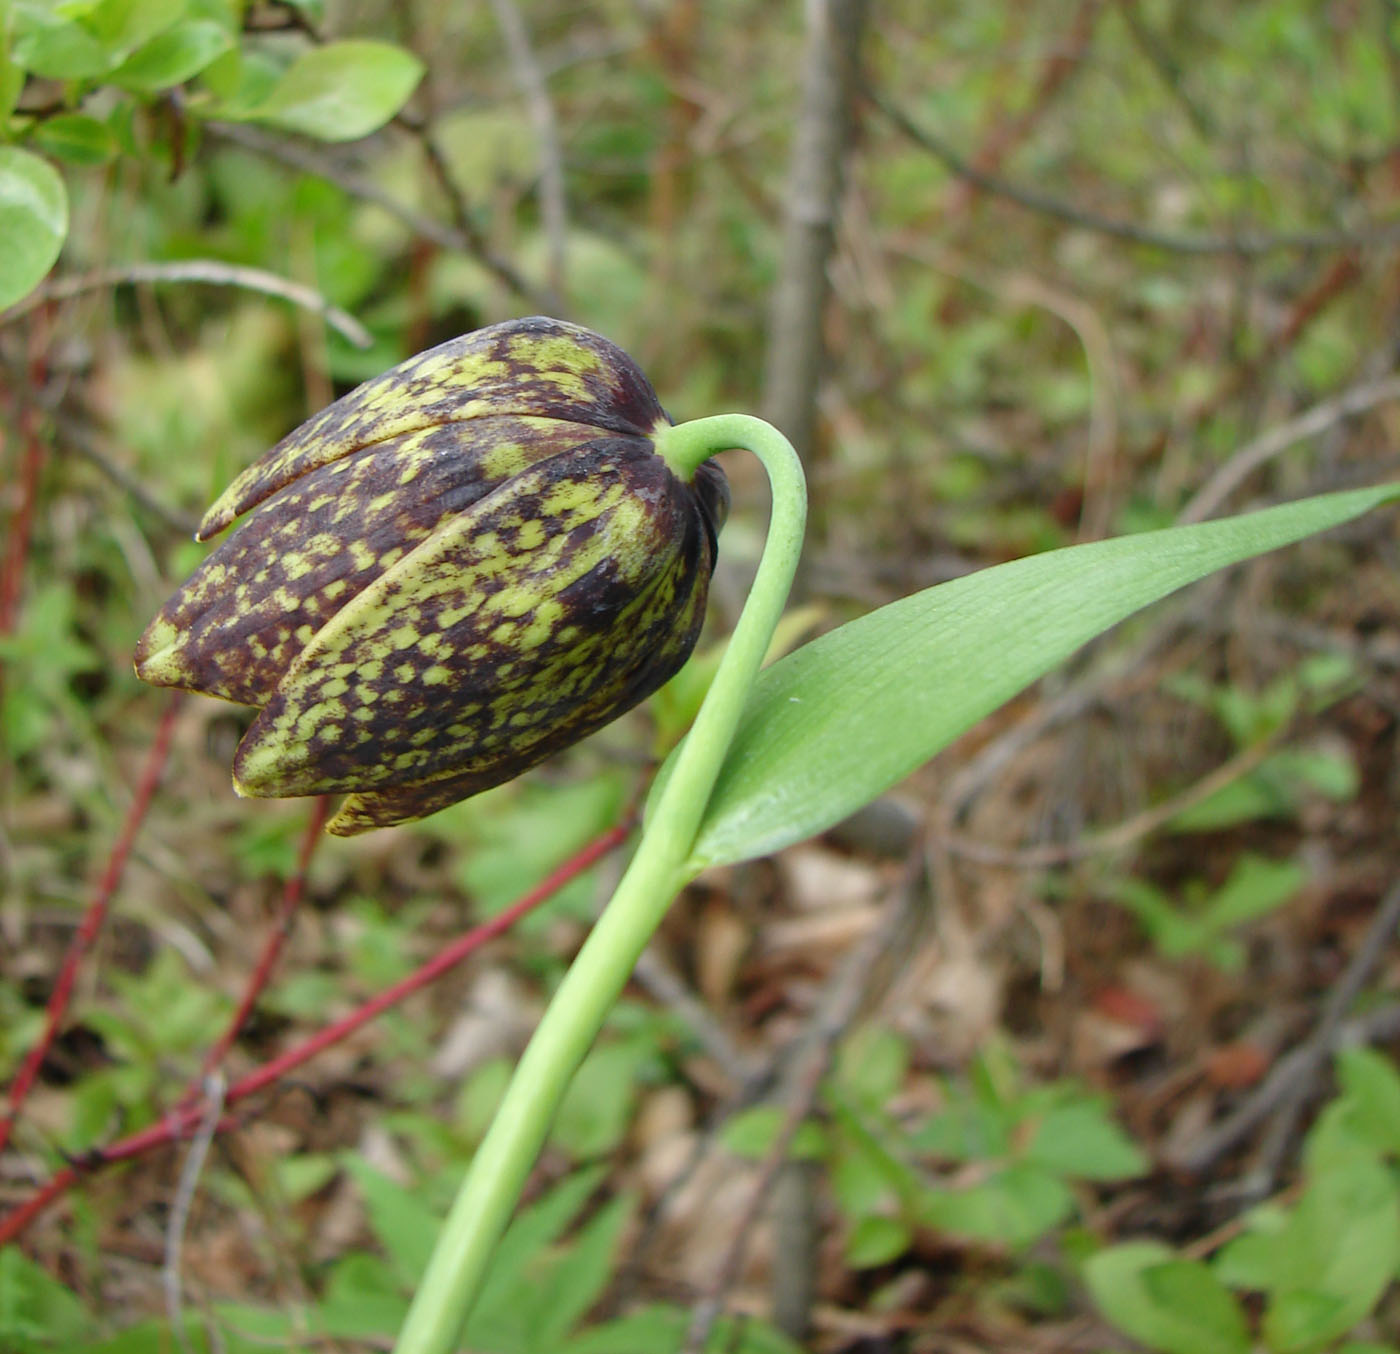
{"points": [[1091, 257]]}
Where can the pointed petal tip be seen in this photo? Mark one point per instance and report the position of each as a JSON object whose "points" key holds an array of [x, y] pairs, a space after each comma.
{"points": [[159, 656], [349, 820], [256, 773]]}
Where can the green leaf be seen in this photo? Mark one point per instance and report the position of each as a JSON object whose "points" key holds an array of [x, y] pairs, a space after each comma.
{"points": [[365, 1299], [1015, 1206], [503, 1317], [752, 1132], [576, 1280], [838, 722], [1371, 1086], [1175, 1306], [876, 1241], [54, 47], [597, 1107], [404, 1224], [34, 1306], [1337, 1254], [341, 91], [121, 25], [661, 1330], [1081, 1141], [76, 138], [33, 221], [871, 1065], [11, 75], [1256, 887], [173, 57]]}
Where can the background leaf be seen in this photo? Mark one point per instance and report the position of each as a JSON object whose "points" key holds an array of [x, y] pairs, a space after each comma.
{"points": [[33, 221], [841, 720], [342, 91]]}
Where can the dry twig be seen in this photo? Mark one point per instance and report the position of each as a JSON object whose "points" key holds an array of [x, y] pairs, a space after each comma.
{"points": [[1242, 245], [208, 271]]}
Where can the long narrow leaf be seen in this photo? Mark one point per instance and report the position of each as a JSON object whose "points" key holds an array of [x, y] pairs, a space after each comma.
{"points": [[841, 720]]}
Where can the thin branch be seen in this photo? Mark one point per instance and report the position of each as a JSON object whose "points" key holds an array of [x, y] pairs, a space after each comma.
{"points": [[1241, 245], [183, 1201], [1265, 447], [94, 917], [184, 1120], [811, 204], [531, 80], [466, 237], [76, 436], [196, 270]]}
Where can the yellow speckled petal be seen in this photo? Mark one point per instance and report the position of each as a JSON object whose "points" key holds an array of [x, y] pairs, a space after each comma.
{"points": [[238, 622], [537, 367], [523, 623]]}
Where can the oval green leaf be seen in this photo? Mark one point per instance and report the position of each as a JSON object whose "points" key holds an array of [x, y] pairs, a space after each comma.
{"points": [[76, 139], [1175, 1306], [342, 91], [33, 221], [837, 723], [173, 57]]}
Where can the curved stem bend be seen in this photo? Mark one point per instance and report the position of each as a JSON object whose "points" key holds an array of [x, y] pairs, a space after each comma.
{"points": [[657, 872]]}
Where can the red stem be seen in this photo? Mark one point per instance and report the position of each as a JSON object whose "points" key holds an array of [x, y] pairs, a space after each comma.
{"points": [[94, 917], [185, 1118], [272, 950]]}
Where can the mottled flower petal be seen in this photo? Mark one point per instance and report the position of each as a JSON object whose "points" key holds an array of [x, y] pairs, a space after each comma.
{"points": [[538, 614], [249, 609], [536, 367], [458, 569]]}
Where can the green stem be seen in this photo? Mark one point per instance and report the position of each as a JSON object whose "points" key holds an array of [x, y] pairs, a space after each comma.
{"points": [[657, 872]]}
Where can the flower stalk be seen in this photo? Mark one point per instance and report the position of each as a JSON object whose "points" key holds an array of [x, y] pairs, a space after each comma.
{"points": [[658, 870]]}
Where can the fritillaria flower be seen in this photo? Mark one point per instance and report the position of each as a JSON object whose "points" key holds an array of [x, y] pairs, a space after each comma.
{"points": [[454, 571]]}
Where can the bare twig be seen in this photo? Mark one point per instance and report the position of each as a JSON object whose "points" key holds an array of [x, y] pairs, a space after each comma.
{"points": [[1244, 244], [793, 366], [184, 1199], [1277, 440], [465, 237], [531, 80], [77, 437], [208, 271], [1294, 1075], [95, 915]]}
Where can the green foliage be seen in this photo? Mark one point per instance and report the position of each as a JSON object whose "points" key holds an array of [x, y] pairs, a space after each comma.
{"points": [[846, 716], [1321, 1263], [1256, 887], [337, 93], [1030, 1146], [33, 221], [36, 1311], [1284, 779], [958, 413], [116, 55]]}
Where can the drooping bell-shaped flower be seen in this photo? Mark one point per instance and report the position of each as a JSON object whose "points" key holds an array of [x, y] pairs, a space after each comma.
{"points": [[454, 571]]}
